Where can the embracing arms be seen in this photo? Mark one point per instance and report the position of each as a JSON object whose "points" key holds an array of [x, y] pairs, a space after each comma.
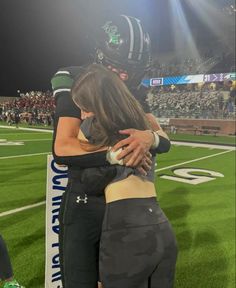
{"points": [[66, 147]]}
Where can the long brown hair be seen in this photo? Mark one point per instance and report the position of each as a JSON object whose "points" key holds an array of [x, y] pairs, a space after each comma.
{"points": [[102, 92]]}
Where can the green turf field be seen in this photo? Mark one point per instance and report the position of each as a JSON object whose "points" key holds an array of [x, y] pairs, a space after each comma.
{"points": [[202, 215]]}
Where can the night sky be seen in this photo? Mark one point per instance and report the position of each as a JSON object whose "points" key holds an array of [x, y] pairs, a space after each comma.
{"points": [[38, 37]]}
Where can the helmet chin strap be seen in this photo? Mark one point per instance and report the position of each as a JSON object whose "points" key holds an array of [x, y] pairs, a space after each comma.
{"points": [[121, 73], [132, 79], [124, 76]]}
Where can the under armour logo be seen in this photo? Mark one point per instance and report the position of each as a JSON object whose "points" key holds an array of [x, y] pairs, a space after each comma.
{"points": [[79, 199]]}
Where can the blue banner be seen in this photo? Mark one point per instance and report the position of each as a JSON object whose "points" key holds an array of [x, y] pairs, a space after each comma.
{"points": [[189, 79]]}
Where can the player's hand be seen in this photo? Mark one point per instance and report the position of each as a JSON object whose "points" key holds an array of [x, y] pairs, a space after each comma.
{"points": [[137, 144]]}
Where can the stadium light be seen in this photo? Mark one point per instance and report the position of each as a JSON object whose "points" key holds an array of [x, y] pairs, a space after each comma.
{"points": [[220, 23], [183, 35]]}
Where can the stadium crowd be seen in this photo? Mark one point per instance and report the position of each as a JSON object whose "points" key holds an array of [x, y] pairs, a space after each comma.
{"points": [[32, 108], [190, 102]]}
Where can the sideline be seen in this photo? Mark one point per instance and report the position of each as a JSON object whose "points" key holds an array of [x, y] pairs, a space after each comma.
{"points": [[203, 145], [157, 170], [13, 211]]}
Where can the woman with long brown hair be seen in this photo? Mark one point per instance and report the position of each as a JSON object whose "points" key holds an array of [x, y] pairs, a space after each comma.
{"points": [[137, 248]]}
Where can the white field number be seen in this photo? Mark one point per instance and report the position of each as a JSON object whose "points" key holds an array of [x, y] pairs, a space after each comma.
{"points": [[188, 175]]}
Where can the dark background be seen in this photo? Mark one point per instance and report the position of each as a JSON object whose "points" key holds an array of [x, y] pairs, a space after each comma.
{"points": [[38, 37]]}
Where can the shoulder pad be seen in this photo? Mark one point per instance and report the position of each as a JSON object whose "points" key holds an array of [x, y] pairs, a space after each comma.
{"points": [[63, 79]]}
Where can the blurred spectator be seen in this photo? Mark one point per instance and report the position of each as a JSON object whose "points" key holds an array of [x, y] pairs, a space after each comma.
{"points": [[190, 102], [212, 101], [33, 108]]}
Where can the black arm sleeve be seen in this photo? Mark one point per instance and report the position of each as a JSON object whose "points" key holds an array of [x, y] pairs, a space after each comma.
{"points": [[163, 147], [96, 159], [65, 106]]}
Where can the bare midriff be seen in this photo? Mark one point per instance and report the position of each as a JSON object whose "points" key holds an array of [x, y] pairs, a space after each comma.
{"points": [[130, 187]]}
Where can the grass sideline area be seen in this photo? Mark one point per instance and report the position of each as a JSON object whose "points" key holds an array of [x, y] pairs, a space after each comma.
{"points": [[202, 215]]}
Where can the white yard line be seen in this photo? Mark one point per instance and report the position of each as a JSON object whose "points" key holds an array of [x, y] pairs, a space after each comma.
{"points": [[26, 140], [27, 129], [31, 133], [203, 145], [194, 160], [25, 155], [31, 140], [13, 211]]}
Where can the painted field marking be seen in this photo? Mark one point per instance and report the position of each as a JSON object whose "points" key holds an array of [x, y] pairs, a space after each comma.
{"points": [[25, 155], [4, 142], [191, 161], [13, 211], [31, 140], [10, 143], [30, 133], [27, 129], [203, 145]]}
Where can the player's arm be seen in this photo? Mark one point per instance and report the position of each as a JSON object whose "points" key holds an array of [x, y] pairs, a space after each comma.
{"points": [[67, 142], [66, 146], [67, 149]]}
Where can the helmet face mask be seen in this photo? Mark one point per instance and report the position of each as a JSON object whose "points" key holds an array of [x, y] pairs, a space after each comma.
{"points": [[123, 74], [123, 44]]}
